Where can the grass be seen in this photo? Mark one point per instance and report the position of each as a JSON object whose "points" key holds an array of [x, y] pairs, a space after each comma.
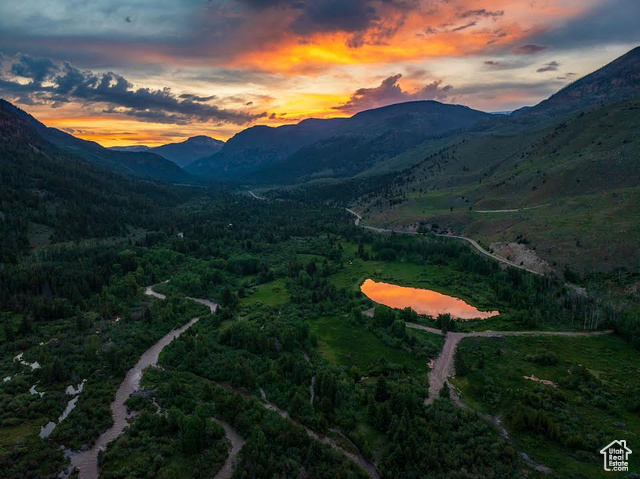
{"points": [[495, 382], [346, 344], [273, 293], [14, 435]]}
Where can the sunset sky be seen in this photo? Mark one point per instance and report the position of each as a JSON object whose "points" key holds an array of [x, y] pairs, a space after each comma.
{"points": [[156, 71]]}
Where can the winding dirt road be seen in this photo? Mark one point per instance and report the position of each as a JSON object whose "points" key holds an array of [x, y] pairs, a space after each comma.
{"points": [[473, 243], [443, 369], [497, 423], [86, 462]]}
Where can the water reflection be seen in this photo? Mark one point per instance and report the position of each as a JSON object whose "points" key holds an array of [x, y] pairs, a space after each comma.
{"points": [[422, 301]]}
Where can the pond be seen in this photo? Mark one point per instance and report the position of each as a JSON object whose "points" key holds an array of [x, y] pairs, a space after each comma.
{"points": [[422, 301]]}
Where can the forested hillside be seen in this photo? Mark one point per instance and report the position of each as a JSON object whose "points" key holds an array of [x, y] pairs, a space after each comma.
{"points": [[49, 196], [140, 164]]}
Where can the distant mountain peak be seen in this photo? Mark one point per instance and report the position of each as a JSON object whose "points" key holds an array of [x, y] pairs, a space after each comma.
{"points": [[187, 151]]}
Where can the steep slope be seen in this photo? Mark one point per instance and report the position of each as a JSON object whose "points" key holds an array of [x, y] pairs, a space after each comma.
{"points": [[562, 177], [374, 136], [48, 195], [334, 147], [141, 164], [618, 80]]}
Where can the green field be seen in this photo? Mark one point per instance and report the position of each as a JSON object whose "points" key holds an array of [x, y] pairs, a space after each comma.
{"points": [[594, 401], [346, 344], [273, 293]]}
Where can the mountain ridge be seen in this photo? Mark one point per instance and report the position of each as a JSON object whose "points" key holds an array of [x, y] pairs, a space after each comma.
{"points": [[181, 153], [262, 147], [140, 164]]}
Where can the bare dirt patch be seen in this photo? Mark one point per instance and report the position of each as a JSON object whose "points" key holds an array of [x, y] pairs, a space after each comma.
{"points": [[519, 254], [546, 382]]}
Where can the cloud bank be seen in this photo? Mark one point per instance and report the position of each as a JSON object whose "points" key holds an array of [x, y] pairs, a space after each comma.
{"points": [[48, 83]]}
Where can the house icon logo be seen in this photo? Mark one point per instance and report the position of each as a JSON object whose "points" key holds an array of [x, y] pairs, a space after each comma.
{"points": [[616, 456]]}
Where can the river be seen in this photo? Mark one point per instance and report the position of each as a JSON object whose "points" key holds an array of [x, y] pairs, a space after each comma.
{"points": [[87, 461]]}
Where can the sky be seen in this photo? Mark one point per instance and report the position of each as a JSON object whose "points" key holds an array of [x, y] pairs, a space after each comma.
{"points": [[151, 72]]}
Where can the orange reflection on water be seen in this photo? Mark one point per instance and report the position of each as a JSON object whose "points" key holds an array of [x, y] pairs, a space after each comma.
{"points": [[422, 301]]}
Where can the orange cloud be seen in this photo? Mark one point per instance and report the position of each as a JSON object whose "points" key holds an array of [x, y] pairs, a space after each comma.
{"points": [[457, 28]]}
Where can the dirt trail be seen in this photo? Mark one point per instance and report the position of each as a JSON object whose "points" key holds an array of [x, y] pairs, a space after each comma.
{"points": [[237, 442], [425, 328], [150, 292], [515, 210], [477, 246], [497, 423], [357, 457], [358, 217], [256, 196]]}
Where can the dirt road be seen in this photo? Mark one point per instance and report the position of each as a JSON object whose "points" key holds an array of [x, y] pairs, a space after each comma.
{"points": [[477, 246], [443, 365], [515, 210], [256, 196], [463, 238]]}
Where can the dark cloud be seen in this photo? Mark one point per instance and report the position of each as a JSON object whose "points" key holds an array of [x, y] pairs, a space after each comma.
{"points": [[549, 67], [464, 27], [189, 96], [482, 12], [263, 4], [566, 76], [36, 69], [389, 92], [335, 15], [528, 49], [499, 65], [368, 21], [608, 23], [68, 84], [417, 74], [538, 89]]}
